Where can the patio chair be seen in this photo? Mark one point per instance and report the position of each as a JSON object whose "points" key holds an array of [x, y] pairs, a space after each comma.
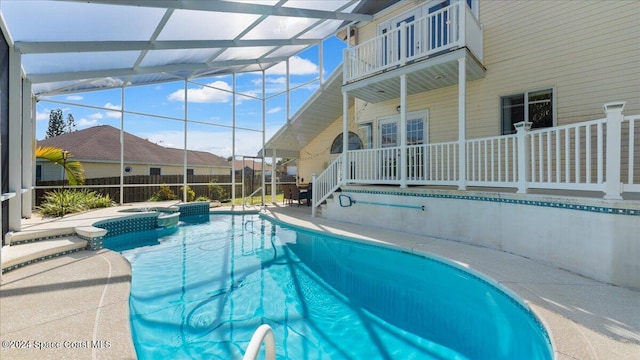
{"points": [[286, 190], [296, 194]]}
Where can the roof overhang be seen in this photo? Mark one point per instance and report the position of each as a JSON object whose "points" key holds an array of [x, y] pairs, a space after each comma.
{"points": [[322, 109]]}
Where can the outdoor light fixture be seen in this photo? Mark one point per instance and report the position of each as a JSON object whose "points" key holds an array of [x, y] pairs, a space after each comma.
{"points": [[398, 108], [65, 156]]}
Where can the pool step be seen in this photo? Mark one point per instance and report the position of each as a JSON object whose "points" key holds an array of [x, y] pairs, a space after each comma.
{"points": [[25, 253]]}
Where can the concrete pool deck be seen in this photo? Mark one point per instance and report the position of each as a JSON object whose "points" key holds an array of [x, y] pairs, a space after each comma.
{"points": [[80, 301]]}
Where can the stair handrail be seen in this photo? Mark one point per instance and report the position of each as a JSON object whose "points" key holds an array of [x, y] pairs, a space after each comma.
{"points": [[326, 183], [262, 334], [244, 200]]}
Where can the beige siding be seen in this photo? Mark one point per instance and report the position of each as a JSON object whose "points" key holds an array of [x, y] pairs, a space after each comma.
{"points": [[588, 51], [315, 157]]}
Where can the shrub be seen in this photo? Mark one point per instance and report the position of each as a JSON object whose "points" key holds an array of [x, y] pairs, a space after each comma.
{"points": [[191, 195], [217, 192], [202, 198], [163, 194], [60, 202]]}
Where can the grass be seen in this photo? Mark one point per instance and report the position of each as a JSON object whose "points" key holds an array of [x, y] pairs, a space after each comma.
{"points": [[258, 199]]}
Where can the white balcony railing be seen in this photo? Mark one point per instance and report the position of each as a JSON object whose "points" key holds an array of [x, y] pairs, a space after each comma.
{"points": [[597, 155], [451, 27]]}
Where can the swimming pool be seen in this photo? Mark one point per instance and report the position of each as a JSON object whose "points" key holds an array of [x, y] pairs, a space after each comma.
{"points": [[201, 291]]}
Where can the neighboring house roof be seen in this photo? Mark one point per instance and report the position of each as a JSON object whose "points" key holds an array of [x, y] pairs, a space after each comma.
{"points": [[251, 164], [317, 113], [102, 143]]}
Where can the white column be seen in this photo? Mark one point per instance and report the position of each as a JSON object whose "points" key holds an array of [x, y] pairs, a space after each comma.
{"points": [[522, 128], [613, 185], [314, 185], [273, 176], [233, 141], [28, 154], [345, 136], [122, 145], [264, 129], [462, 123], [185, 153], [402, 131], [15, 140]]}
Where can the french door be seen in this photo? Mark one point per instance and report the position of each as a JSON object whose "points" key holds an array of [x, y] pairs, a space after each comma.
{"points": [[389, 142]]}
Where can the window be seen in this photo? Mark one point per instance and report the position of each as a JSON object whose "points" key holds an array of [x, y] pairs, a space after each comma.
{"points": [[365, 131], [354, 143], [189, 172], [533, 106], [154, 171], [415, 131], [38, 172]]}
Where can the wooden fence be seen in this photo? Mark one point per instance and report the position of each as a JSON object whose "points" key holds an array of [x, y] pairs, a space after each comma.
{"points": [[138, 188]]}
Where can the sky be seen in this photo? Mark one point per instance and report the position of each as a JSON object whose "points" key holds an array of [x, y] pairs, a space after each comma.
{"points": [[156, 112]]}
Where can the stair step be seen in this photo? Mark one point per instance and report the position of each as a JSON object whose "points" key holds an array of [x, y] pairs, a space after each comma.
{"points": [[16, 256]]}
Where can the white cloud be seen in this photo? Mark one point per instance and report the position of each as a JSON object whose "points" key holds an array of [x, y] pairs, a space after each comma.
{"points": [[106, 82], [297, 66], [84, 123], [43, 116], [113, 114], [96, 116], [205, 94], [74, 97], [274, 110]]}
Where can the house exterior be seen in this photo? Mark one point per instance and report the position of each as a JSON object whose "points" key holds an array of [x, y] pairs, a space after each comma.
{"points": [[98, 149], [508, 124], [251, 167]]}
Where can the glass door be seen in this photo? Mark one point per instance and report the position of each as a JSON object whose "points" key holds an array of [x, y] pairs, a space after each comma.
{"points": [[389, 155]]}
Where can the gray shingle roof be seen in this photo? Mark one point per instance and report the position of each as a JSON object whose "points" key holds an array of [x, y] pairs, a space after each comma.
{"points": [[102, 143]]}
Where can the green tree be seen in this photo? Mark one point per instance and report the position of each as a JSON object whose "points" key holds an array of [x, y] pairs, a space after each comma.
{"points": [[71, 123], [57, 125]]}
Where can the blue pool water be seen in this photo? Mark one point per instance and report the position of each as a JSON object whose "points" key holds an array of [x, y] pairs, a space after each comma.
{"points": [[201, 290]]}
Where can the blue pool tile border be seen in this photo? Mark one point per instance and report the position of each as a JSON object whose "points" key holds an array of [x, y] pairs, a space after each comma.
{"points": [[541, 203]]}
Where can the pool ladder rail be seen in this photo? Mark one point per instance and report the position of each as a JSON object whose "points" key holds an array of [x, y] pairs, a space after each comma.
{"points": [[262, 334]]}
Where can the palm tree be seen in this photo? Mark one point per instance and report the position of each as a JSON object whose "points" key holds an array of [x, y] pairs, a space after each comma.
{"points": [[73, 169]]}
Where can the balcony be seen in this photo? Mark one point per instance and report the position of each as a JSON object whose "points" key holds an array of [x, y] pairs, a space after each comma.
{"points": [[426, 49]]}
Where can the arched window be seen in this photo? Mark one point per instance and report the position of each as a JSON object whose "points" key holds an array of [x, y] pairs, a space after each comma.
{"points": [[354, 143]]}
